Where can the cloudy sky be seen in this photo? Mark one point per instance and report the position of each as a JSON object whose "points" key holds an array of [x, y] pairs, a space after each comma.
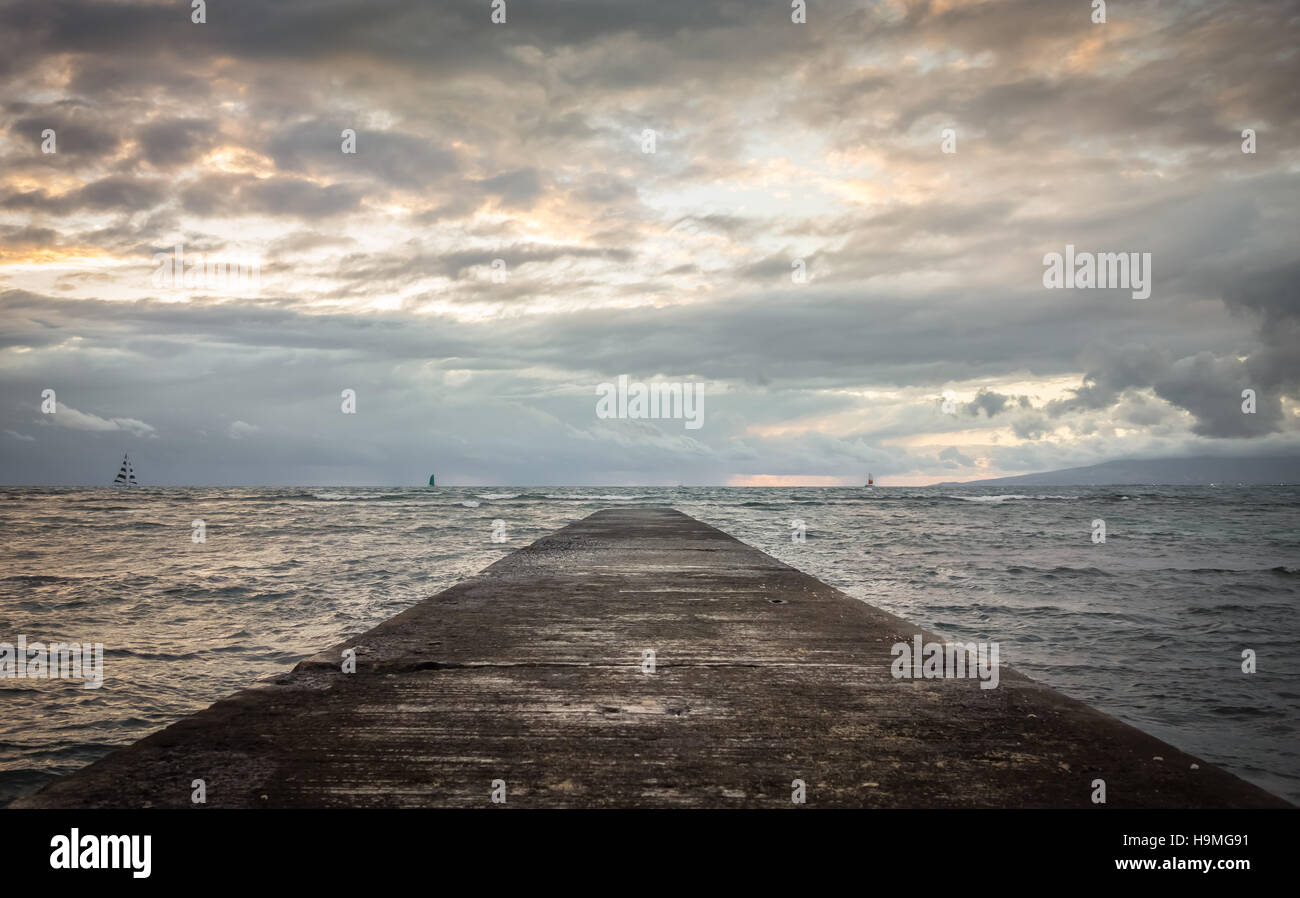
{"points": [[777, 147]]}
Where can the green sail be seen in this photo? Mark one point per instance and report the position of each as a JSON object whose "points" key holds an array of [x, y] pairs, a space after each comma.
{"points": [[431, 483]]}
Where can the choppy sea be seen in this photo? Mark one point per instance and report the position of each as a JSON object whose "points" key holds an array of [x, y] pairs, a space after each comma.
{"points": [[1149, 626]]}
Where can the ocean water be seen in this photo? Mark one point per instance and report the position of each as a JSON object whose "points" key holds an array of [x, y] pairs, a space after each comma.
{"points": [[1149, 627]]}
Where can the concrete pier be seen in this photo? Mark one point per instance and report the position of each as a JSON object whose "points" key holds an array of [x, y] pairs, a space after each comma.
{"points": [[533, 673]]}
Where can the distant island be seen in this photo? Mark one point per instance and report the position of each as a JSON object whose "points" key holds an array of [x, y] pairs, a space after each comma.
{"points": [[1199, 470]]}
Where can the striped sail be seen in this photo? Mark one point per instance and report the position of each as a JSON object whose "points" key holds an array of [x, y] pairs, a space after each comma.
{"points": [[125, 474]]}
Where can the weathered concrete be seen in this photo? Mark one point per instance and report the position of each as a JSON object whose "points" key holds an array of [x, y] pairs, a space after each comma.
{"points": [[531, 673]]}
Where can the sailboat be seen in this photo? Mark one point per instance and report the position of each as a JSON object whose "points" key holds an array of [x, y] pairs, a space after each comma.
{"points": [[126, 474], [431, 483], [870, 482]]}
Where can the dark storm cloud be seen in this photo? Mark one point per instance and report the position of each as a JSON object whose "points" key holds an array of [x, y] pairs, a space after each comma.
{"points": [[27, 237], [1031, 427], [117, 193], [123, 79], [991, 402], [288, 196], [794, 338], [1208, 386], [405, 160], [176, 141], [437, 35], [1211, 389], [1273, 297], [1139, 105], [774, 268], [80, 132], [514, 189]]}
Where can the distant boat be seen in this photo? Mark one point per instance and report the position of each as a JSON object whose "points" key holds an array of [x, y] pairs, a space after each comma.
{"points": [[431, 483], [870, 482], [126, 474]]}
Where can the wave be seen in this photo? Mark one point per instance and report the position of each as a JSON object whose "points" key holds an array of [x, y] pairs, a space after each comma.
{"points": [[414, 496], [362, 497], [38, 579], [1017, 497], [1067, 571], [604, 497], [471, 503]]}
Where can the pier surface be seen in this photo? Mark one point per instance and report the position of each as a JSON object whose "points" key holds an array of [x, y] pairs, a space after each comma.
{"points": [[532, 673]]}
